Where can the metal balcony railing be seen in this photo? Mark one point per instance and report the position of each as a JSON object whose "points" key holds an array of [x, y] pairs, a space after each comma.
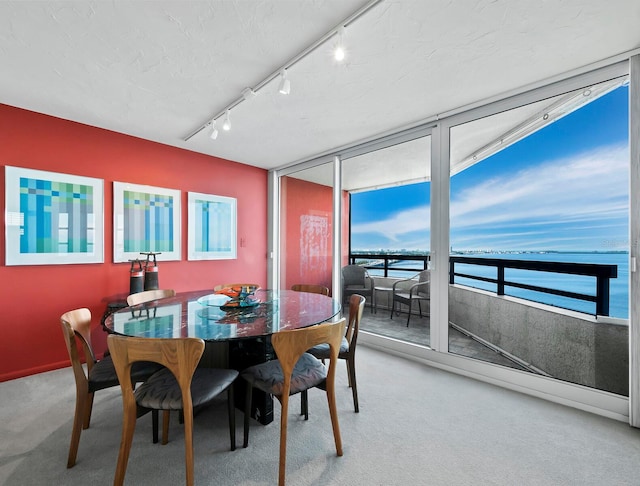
{"points": [[602, 273], [381, 261]]}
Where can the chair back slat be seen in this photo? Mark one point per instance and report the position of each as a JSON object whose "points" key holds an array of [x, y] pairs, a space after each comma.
{"points": [[354, 275], [149, 295], [356, 307], [311, 288], [76, 327], [180, 355], [290, 345]]}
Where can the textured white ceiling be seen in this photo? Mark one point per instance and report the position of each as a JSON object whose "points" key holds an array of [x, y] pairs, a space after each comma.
{"points": [[160, 69]]}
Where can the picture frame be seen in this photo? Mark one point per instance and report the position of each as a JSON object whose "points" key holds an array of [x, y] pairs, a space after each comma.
{"points": [[212, 227], [146, 219], [53, 218]]}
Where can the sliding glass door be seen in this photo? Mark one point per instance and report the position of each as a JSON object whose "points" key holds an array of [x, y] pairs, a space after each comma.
{"points": [[539, 244]]}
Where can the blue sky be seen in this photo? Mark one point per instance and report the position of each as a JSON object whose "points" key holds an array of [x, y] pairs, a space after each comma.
{"points": [[563, 188]]}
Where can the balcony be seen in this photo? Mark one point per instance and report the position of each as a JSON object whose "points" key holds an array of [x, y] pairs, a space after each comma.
{"points": [[578, 347]]}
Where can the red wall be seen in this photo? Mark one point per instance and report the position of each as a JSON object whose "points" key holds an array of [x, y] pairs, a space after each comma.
{"points": [[34, 297]]}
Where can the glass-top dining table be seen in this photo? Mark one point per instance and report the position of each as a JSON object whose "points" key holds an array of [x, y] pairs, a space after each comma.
{"points": [[243, 331], [203, 314]]}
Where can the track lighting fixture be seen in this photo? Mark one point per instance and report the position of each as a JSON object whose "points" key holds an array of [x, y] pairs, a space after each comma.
{"points": [[214, 130], [280, 74], [226, 124], [285, 84]]}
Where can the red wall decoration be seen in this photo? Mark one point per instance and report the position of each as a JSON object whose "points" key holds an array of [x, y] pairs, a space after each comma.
{"points": [[33, 297]]}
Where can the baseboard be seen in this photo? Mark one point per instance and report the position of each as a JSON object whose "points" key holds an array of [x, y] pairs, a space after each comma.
{"points": [[13, 375]]}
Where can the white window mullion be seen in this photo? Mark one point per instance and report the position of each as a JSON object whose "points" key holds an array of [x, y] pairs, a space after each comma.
{"points": [[634, 241], [440, 183]]}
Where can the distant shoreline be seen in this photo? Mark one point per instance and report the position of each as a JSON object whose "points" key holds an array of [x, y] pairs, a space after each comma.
{"points": [[478, 252]]}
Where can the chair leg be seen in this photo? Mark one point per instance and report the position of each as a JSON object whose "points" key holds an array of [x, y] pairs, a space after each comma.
{"points": [[304, 401], [78, 422], [154, 425], [87, 414], [282, 468], [128, 427], [333, 411], [188, 445], [247, 412], [351, 369], [232, 417], [166, 416], [409, 313]]}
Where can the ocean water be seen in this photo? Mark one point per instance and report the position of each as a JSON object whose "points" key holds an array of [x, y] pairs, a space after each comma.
{"points": [[618, 287]]}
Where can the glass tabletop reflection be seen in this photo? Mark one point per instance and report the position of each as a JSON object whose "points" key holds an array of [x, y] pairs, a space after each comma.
{"points": [[203, 314]]}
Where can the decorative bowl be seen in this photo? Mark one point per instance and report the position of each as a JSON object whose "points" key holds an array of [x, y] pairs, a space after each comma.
{"points": [[240, 295]]}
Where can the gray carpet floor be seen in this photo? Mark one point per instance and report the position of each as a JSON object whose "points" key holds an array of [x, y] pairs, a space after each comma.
{"points": [[417, 426]]}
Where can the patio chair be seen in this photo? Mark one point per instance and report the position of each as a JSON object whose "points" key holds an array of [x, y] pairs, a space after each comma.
{"points": [[417, 292], [356, 280]]}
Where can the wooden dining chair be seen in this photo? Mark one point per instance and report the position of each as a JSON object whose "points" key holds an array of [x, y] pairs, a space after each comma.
{"points": [[293, 372], [99, 374], [347, 349], [231, 285], [149, 295], [180, 386], [311, 288]]}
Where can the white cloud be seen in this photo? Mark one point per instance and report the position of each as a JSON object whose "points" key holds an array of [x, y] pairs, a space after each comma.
{"points": [[588, 186], [584, 191], [399, 224]]}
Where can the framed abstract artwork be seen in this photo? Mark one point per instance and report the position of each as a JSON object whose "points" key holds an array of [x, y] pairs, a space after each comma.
{"points": [[145, 219], [53, 218], [212, 227]]}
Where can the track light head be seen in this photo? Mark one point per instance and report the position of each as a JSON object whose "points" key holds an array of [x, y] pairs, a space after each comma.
{"points": [[285, 84], [226, 124], [339, 52], [248, 93], [214, 130]]}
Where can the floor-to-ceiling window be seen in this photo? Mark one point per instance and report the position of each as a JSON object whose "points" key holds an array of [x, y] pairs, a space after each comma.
{"points": [[507, 190], [539, 218]]}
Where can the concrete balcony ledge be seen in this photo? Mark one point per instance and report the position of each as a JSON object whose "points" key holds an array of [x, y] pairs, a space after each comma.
{"points": [[567, 345]]}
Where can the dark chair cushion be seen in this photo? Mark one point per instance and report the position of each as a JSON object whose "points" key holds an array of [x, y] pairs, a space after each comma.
{"points": [[103, 374], [161, 391], [268, 377], [321, 351]]}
